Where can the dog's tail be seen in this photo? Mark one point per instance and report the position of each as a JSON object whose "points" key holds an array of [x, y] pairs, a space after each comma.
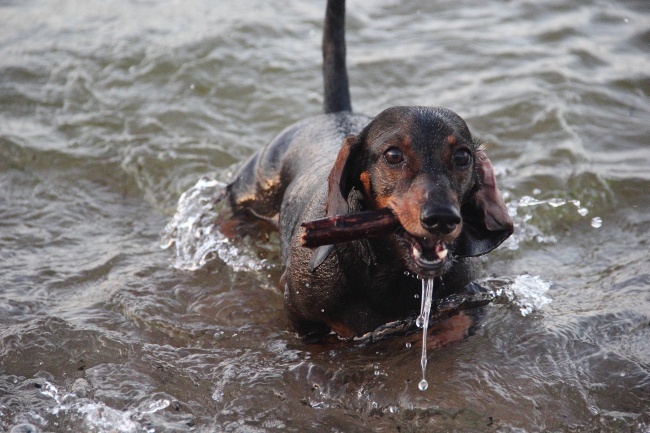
{"points": [[335, 75]]}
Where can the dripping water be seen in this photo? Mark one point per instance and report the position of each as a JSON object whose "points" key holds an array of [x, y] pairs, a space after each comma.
{"points": [[423, 322]]}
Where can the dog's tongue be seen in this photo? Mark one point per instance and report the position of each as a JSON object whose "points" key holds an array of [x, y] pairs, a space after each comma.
{"points": [[432, 249], [441, 250]]}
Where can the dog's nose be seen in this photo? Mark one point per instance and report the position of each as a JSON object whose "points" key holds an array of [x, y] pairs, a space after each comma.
{"points": [[439, 218]]}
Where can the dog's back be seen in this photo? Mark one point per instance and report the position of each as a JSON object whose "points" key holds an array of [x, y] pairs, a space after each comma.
{"points": [[260, 184]]}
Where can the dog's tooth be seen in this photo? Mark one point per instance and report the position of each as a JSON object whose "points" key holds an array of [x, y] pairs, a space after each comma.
{"points": [[442, 254]]}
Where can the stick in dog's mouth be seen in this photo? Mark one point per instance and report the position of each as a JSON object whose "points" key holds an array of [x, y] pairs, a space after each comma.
{"points": [[348, 227]]}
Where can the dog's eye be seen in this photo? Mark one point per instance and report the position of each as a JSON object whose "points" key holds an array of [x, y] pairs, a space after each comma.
{"points": [[462, 158], [393, 155]]}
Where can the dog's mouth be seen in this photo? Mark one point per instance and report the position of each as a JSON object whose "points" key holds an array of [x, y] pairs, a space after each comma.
{"points": [[428, 255]]}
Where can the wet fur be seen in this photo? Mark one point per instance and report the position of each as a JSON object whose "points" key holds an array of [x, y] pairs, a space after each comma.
{"points": [[337, 163]]}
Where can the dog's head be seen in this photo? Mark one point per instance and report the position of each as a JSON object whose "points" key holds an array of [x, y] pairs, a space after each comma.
{"points": [[424, 165]]}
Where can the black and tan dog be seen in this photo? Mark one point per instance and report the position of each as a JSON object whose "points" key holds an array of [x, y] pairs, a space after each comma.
{"points": [[420, 162]]}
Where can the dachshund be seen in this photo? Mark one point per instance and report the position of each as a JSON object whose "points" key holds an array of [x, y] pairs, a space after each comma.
{"points": [[420, 162]]}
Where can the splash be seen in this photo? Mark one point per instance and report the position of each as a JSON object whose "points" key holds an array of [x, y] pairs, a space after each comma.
{"points": [[97, 416], [423, 322], [528, 293], [193, 233], [525, 232]]}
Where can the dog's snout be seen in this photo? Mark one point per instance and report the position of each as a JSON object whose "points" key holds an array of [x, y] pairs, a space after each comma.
{"points": [[440, 218]]}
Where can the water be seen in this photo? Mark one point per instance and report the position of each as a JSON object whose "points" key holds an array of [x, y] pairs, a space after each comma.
{"points": [[110, 111], [194, 235], [422, 321]]}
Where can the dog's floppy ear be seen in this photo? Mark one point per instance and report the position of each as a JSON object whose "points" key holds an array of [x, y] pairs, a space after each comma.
{"points": [[340, 181], [486, 222], [343, 176]]}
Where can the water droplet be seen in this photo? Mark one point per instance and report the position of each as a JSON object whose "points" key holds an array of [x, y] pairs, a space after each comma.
{"points": [[192, 86], [376, 372], [318, 404], [529, 201], [537, 191], [596, 222], [556, 202], [583, 211], [423, 385], [155, 406], [419, 321], [408, 345], [322, 310]]}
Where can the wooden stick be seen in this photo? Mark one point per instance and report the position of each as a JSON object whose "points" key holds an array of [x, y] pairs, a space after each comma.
{"points": [[343, 228]]}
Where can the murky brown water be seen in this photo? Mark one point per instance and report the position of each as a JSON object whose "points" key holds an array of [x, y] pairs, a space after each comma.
{"points": [[110, 110]]}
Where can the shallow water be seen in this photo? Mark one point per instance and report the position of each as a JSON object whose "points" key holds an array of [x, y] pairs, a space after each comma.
{"points": [[110, 110]]}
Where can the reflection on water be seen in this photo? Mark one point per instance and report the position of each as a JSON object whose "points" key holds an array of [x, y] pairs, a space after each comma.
{"points": [[113, 111]]}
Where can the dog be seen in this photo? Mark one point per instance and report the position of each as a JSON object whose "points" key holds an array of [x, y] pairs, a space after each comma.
{"points": [[420, 162]]}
